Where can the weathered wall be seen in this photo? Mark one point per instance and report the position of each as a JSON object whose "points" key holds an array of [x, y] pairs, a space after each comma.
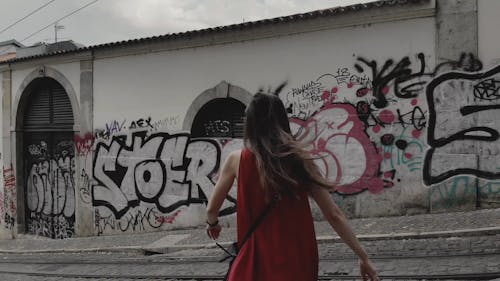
{"points": [[402, 116], [488, 22], [4, 233], [331, 79]]}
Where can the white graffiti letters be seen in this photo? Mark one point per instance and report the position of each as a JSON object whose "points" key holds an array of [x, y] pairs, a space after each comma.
{"points": [[167, 170]]}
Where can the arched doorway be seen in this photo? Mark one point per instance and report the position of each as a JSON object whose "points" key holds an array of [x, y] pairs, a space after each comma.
{"points": [[219, 118], [48, 159]]}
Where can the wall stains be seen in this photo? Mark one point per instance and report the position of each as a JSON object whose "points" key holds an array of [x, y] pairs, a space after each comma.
{"points": [[456, 117]]}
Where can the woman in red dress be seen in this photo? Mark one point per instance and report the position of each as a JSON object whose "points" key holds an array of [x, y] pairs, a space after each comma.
{"points": [[283, 245]]}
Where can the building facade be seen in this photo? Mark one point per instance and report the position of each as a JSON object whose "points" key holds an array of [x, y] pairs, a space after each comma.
{"points": [[397, 99]]}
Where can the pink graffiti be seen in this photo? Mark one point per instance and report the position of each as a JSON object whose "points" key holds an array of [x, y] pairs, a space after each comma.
{"points": [[84, 144], [2, 207], [344, 152], [386, 116], [168, 219], [9, 181]]}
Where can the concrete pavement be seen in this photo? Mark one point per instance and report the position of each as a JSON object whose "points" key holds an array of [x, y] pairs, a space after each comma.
{"points": [[458, 224]]}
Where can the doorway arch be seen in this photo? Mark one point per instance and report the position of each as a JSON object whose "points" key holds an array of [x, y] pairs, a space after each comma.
{"points": [[45, 127], [222, 94]]}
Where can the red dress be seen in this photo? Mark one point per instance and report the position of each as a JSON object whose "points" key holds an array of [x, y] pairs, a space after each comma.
{"points": [[283, 246]]}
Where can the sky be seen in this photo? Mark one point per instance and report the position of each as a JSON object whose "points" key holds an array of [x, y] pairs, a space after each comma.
{"points": [[114, 20]]}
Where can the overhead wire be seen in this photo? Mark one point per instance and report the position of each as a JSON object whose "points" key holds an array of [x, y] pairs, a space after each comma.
{"points": [[27, 16], [60, 19]]}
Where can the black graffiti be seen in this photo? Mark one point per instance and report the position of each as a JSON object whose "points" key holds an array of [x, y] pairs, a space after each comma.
{"points": [[50, 192], [399, 73], [364, 111], [85, 187], [9, 221], [408, 83], [141, 123], [488, 89], [137, 221], [387, 139], [401, 144], [169, 171], [59, 227], [473, 113], [415, 118], [217, 128], [467, 62]]}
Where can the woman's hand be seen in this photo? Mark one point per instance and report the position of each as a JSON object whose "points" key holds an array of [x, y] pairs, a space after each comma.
{"points": [[367, 270], [213, 231]]}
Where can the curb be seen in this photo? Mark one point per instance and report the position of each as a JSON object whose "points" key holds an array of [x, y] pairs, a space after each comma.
{"points": [[145, 249], [122, 249], [418, 235]]}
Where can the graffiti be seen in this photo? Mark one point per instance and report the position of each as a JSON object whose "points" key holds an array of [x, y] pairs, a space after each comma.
{"points": [[2, 206], [168, 219], [217, 128], [467, 62], [344, 76], [169, 123], [304, 101], [84, 144], [408, 82], [38, 150], [166, 170], [488, 89], [452, 193], [489, 192], [134, 220], [399, 73], [141, 123], [120, 127], [58, 227], [50, 193], [85, 187], [343, 150], [454, 117], [10, 195], [111, 128], [402, 151]]}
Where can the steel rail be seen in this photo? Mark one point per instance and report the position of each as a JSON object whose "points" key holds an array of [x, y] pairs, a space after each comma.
{"points": [[200, 259], [427, 277]]}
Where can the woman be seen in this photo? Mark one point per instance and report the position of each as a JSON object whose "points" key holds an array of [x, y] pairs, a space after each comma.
{"points": [[283, 245]]}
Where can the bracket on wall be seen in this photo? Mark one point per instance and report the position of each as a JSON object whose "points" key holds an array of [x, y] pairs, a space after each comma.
{"points": [[41, 71]]}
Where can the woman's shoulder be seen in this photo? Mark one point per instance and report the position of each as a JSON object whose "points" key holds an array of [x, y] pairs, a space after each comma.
{"points": [[235, 154], [233, 161]]}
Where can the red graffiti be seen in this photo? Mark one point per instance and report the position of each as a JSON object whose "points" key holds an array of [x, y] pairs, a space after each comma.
{"points": [[168, 219], [2, 207], [84, 144], [345, 154], [386, 116], [9, 181]]}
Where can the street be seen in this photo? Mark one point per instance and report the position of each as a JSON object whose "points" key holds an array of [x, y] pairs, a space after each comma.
{"points": [[451, 258]]}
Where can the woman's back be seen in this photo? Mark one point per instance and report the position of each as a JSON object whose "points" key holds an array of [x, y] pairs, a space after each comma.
{"points": [[283, 246]]}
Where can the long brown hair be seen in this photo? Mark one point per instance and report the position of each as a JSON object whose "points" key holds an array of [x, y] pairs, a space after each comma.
{"points": [[284, 165]]}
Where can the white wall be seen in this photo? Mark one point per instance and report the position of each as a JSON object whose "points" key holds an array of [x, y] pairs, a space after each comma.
{"points": [[2, 207], [165, 84], [488, 23]]}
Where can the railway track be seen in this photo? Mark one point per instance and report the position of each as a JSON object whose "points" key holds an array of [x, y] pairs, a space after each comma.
{"points": [[166, 277], [52, 268]]}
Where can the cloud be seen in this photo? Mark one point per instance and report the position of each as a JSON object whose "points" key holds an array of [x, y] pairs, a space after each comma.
{"points": [[116, 20]]}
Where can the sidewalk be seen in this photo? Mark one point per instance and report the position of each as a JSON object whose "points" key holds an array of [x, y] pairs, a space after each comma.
{"points": [[479, 222]]}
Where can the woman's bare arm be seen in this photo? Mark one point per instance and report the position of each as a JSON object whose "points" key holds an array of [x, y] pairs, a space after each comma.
{"points": [[227, 175], [339, 223]]}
